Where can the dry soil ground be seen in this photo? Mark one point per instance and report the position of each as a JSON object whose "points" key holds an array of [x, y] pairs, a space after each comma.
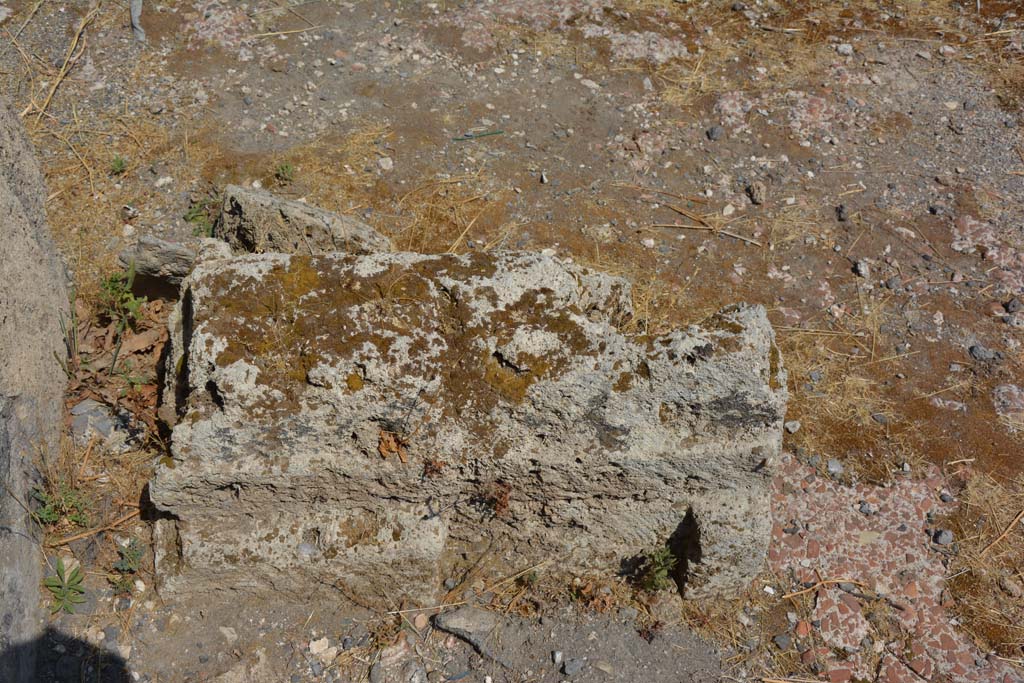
{"points": [[857, 167]]}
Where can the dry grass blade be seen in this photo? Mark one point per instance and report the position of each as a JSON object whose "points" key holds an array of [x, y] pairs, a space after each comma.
{"points": [[92, 532], [819, 584], [1006, 532], [28, 19], [455, 244], [77, 43], [705, 228], [985, 579]]}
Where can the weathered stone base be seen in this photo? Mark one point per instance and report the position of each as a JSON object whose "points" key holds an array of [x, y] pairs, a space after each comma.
{"points": [[353, 419]]}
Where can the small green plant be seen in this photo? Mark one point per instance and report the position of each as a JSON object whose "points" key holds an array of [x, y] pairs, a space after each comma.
{"points": [[118, 165], [117, 302], [284, 173], [120, 306], [133, 379], [66, 588], [126, 566], [65, 504], [198, 214], [131, 557], [121, 584], [657, 569]]}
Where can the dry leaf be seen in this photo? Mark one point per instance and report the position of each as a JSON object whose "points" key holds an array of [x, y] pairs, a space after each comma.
{"points": [[143, 340], [390, 444]]}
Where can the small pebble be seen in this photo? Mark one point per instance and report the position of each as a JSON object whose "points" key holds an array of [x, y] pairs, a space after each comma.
{"points": [[1011, 586], [757, 192], [834, 466], [715, 133], [943, 537], [572, 667], [793, 426], [782, 641], [982, 353], [845, 49]]}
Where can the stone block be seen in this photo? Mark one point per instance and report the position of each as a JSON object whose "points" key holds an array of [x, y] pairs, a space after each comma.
{"points": [[359, 418]]}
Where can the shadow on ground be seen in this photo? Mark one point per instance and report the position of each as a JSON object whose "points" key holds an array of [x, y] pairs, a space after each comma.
{"points": [[63, 659]]}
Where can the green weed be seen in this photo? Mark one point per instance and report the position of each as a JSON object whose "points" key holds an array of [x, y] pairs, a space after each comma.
{"points": [[284, 173], [131, 557], [66, 588], [133, 379], [199, 214], [118, 165], [65, 504], [120, 306], [656, 572]]}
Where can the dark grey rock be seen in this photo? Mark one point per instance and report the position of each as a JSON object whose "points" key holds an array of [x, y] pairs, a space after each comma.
{"points": [[572, 666], [783, 641], [715, 133], [943, 537], [983, 354], [90, 418]]}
